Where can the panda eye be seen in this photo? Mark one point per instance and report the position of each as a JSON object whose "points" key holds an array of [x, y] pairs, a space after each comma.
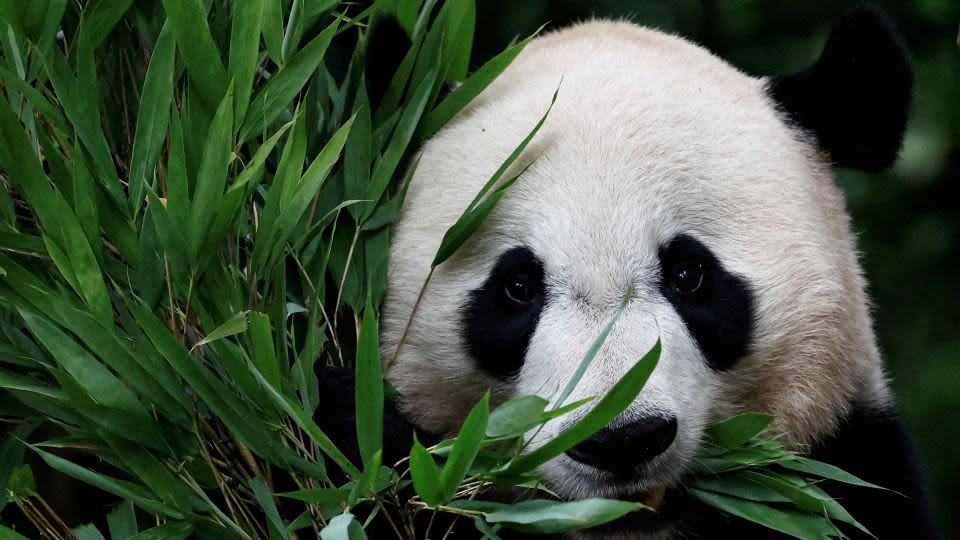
{"points": [[686, 276], [520, 288]]}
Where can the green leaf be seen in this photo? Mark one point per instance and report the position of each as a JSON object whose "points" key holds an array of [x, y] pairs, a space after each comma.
{"points": [[212, 176], [289, 81], [74, 257], [273, 30], [516, 416], [21, 484], [173, 530], [477, 211], [400, 141], [426, 477], [790, 522], [236, 325], [295, 200], [594, 349], [465, 448], [264, 354], [198, 50], [825, 470], [362, 486], [244, 51], [545, 516], [122, 521], [90, 374], [318, 495], [117, 487], [291, 36], [489, 533], [152, 117], [87, 532], [358, 153], [33, 96], [262, 493], [611, 405], [470, 89], [739, 429], [737, 486], [369, 388], [101, 17], [343, 527], [805, 499]]}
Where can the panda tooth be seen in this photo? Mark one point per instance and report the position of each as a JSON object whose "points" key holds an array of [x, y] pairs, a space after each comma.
{"points": [[654, 499]]}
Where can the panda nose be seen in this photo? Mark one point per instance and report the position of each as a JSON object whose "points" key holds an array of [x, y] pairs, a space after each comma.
{"points": [[624, 448]]}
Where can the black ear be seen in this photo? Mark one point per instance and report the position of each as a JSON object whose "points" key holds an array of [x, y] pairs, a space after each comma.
{"points": [[856, 97], [387, 44]]}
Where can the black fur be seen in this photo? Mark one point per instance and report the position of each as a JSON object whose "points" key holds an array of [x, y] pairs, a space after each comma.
{"points": [[387, 44], [856, 97], [498, 330], [720, 314]]}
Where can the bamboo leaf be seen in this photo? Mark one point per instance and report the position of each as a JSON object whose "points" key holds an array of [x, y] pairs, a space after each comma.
{"points": [[474, 215], [593, 350], [369, 389], [172, 530], [262, 494], [264, 355], [465, 448], [400, 141], [117, 487], [544, 516], [90, 374], [102, 17], [212, 177], [199, 52], [426, 477], [825, 470], [244, 51], [280, 90], [739, 429], [515, 416], [122, 521], [471, 88], [789, 522], [152, 117], [236, 325]]}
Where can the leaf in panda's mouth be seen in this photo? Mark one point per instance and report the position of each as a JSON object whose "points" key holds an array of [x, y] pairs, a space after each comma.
{"points": [[654, 499]]}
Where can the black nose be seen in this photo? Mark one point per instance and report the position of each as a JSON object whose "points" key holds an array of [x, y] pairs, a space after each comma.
{"points": [[624, 448]]}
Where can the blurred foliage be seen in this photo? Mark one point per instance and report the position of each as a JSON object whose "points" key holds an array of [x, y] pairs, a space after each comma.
{"points": [[907, 218]]}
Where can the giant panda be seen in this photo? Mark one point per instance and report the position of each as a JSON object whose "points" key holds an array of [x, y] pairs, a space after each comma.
{"points": [[712, 194]]}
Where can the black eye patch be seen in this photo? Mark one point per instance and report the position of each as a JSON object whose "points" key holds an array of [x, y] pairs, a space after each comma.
{"points": [[716, 305], [500, 317]]}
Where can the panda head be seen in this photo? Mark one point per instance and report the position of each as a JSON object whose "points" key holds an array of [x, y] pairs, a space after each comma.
{"points": [[662, 170]]}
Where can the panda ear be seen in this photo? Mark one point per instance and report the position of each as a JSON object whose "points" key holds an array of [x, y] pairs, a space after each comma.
{"points": [[854, 100], [387, 44]]}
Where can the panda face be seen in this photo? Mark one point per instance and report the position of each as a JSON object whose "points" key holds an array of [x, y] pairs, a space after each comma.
{"points": [[661, 170]]}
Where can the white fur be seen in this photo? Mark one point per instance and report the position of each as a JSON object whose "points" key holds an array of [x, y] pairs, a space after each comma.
{"points": [[651, 136]]}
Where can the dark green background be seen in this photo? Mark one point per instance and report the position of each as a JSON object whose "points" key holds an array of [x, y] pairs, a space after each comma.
{"points": [[907, 218]]}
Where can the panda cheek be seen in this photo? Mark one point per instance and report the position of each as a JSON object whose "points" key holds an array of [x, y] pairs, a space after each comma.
{"points": [[721, 319], [497, 331]]}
